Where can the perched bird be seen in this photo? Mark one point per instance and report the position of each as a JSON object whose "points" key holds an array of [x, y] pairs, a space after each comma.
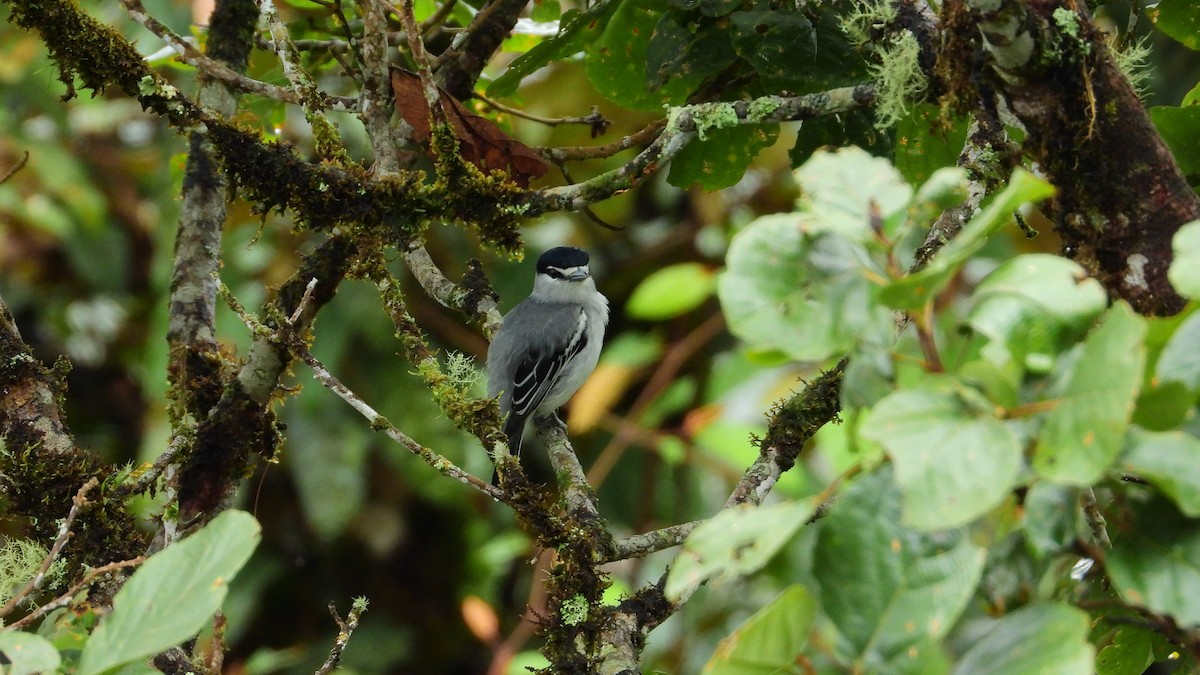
{"points": [[549, 343]]}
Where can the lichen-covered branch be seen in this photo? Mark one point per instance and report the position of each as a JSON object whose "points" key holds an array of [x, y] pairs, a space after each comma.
{"points": [[41, 468], [195, 363], [988, 156], [687, 122], [1120, 195], [459, 66]]}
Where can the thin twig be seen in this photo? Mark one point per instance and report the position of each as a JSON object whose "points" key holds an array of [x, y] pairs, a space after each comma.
{"points": [[1094, 518], [215, 69], [437, 17], [64, 533], [595, 120], [345, 630], [145, 481], [16, 167], [66, 598], [441, 464]]}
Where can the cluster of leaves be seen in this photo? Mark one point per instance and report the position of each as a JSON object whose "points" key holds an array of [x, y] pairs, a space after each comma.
{"points": [[976, 437], [170, 598]]}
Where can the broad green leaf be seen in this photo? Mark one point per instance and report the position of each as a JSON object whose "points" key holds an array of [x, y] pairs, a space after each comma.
{"points": [[1180, 19], [804, 296], [1163, 405], [1049, 639], [840, 189], [615, 62], [1036, 305], [1179, 360], [1192, 97], [769, 641], [1180, 130], [1083, 434], [916, 289], [918, 584], [800, 50], [576, 30], [1157, 564], [953, 464], [545, 11], [1170, 460], [735, 542], [923, 145], [1185, 268], [856, 127], [773, 41], [1129, 653], [676, 51], [720, 160], [28, 654], [1050, 518], [172, 595]]}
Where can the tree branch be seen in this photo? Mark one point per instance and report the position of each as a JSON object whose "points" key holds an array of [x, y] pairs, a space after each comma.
{"points": [[687, 122], [1120, 195]]}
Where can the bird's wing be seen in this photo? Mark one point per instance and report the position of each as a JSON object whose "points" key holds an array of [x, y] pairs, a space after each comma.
{"points": [[537, 373]]}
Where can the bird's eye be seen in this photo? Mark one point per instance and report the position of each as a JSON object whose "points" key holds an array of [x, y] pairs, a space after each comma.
{"points": [[554, 273]]}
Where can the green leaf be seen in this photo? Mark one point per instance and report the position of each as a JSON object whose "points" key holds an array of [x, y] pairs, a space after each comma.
{"points": [[545, 11], [671, 291], [1049, 639], [1036, 305], [1084, 432], [1130, 652], [676, 51], [773, 41], [803, 296], [885, 588], [801, 51], [1180, 130], [576, 30], [28, 654], [953, 464], [1157, 564], [1180, 19], [856, 127], [915, 290], [735, 542], [769, 641], [615, 62], [1051, 514], [173, 595], [923, 145], [1185, 268], [720, 160], [1179, 360], [1171, 462], [839, 189]]}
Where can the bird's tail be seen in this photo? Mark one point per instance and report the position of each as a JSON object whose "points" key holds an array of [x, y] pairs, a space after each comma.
{"points": [[514, 428]]}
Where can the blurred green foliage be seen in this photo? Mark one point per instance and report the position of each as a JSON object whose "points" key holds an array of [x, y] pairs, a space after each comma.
{"points": [[950, 523]]}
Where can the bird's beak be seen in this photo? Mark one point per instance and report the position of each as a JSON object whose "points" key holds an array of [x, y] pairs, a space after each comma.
{"points": [[578, 274]]}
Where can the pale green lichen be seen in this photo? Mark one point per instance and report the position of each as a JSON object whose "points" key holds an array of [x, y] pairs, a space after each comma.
{"points": [[1134, 62], [574, 610], [1067, 21], [866, 17], [708, 116], [461, 370], [20, 560], [899, 80], [761, 108]]}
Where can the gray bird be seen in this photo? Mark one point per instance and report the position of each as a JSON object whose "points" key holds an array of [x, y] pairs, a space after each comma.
{"points": [[549, 343]]}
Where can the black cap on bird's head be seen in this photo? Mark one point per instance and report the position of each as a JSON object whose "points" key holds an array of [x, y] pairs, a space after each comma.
{"points": [[564, 262]]}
